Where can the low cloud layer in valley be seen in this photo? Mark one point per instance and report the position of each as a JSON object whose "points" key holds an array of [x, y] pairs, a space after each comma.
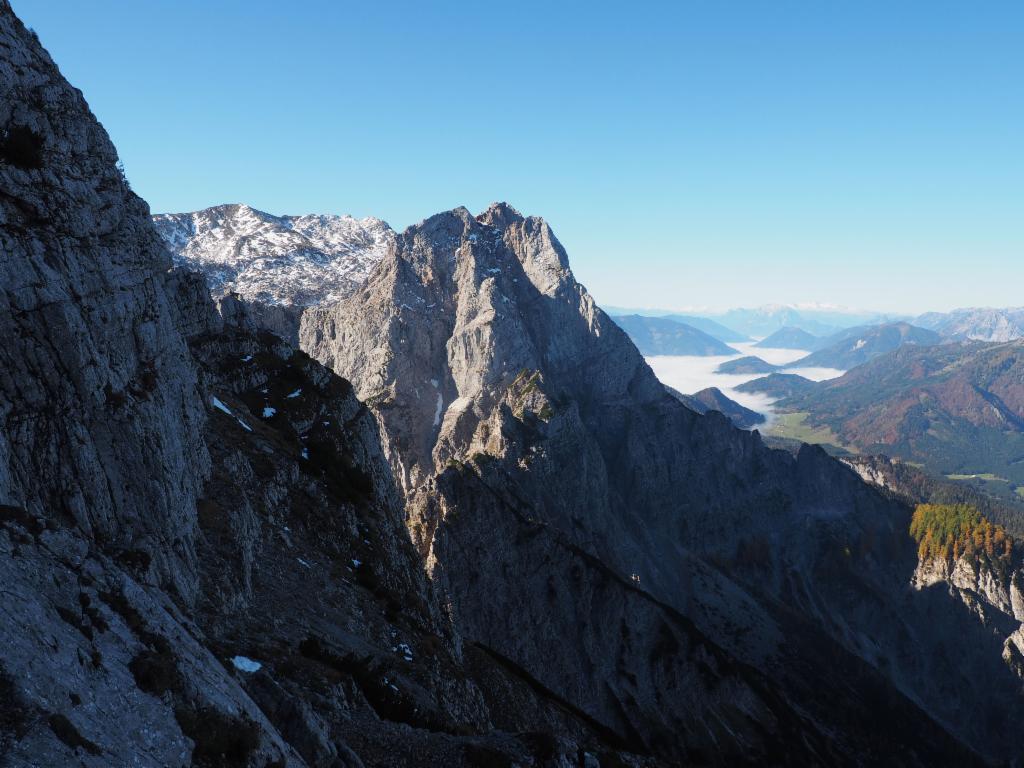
{"points": [[690, 374]]}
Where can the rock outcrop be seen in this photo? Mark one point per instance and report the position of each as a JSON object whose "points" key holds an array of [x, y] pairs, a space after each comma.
{"points": [[987, 579], [98, 397], [529, 437], [205, 551], [203, 555]]}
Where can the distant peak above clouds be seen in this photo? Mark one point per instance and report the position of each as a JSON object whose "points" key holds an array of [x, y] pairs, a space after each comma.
{"points": [[818, 319], [976, 323], [281, 260]]}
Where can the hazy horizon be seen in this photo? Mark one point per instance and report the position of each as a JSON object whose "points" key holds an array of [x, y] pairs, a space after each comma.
{"points": [[808, 307]]}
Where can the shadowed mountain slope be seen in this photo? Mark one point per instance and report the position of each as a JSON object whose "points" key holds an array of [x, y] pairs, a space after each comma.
{"points": [[658, 336], [524, 426]]}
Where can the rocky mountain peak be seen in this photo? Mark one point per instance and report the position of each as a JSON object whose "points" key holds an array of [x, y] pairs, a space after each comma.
{"points": [[512, 409], [205, 534], [202, 550], [500, 214], [456, 312], [286, 261]]}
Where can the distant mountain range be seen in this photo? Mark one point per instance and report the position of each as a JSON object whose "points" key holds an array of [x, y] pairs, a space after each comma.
{"points": [[740, 324], [957, 409], [790, 337], [843, 350], [763, 321], [982, 324], [661, 336], [819, 321], [855, 346], [710, 327]]}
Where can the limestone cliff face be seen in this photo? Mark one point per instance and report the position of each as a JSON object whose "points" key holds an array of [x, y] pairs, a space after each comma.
{"points": [[968, 576], [101, 415], [203, 556], [989, 590], [101, 450], [529, 437], [992, 595]]}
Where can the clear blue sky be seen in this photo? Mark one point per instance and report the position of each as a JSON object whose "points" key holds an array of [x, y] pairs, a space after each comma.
{"points": [[706, 153]]}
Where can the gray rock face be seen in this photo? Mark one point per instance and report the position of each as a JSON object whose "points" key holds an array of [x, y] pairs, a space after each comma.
{"points": [[101, 451], [203, 555], [519, 419], [102, 416]]}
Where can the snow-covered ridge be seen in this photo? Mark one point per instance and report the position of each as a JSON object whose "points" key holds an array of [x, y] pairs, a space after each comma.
{"points": [[284, 260]]}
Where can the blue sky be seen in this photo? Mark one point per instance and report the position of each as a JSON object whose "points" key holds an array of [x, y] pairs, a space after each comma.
{"points": [[688, 154]]}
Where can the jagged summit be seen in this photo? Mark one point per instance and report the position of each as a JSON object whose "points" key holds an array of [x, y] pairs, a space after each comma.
{"points": [[529, 436], [499, 214], [495, 291], [292, 261], [205, 535], [203, 553]]}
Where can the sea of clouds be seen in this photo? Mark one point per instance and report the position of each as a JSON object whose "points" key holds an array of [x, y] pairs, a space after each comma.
{"points": [[690, 374]]}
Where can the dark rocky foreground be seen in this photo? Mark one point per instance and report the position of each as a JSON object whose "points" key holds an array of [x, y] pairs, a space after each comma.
{"points": [[503, 543]]}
